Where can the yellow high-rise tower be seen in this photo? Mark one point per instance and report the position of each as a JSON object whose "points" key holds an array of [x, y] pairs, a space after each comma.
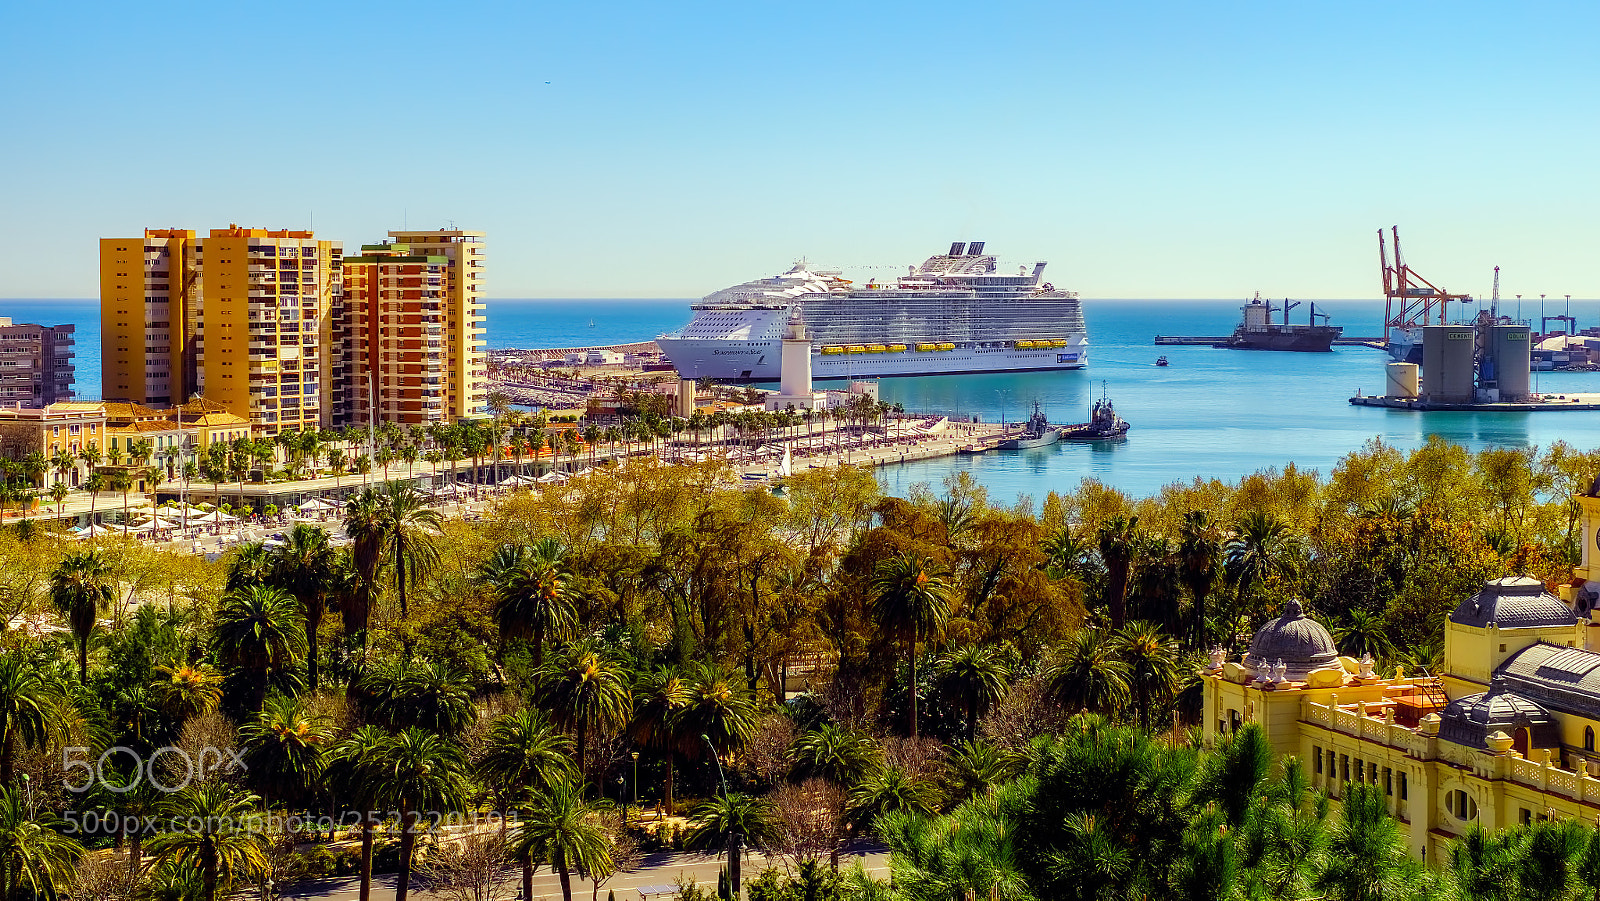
{"points": [[464, 369], [150, 295], [264, 352]]}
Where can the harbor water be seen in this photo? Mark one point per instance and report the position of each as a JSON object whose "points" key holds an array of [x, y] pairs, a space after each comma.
{"points": [[1211, 413]]}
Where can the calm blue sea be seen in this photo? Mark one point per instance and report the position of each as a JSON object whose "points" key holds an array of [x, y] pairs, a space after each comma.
{"points": [[1211, 413]]}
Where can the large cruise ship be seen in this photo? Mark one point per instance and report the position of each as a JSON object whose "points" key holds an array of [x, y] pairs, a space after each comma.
{"points": [[954, 314]]}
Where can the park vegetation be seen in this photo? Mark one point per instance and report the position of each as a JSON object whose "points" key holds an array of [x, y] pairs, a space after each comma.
{"points": [[1000, 691]]}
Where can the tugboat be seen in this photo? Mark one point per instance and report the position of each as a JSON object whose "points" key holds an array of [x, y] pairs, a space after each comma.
{"points": [[1257, 331], [1038, 433], [1104, 424]]}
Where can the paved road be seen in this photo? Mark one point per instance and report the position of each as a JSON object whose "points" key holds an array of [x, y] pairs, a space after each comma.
{"points": [[658, 869]]}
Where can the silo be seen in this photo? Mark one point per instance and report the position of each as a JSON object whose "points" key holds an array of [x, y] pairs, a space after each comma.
{"points": [[1402, 381], [1447, 352], [1509, 345]]}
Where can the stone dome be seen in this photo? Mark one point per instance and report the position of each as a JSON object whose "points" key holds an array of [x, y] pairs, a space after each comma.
{"points": [[1470, 720], [1513, 602], [1300, 642]]}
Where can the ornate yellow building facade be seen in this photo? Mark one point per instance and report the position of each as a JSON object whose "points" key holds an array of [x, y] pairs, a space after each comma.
{"points": [[1505, 734]]}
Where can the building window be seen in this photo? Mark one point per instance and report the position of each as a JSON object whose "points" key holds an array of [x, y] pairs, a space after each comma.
{"points": [[1526, 816], [1318, 753], [1458, 805], [1344, 767], [1388, 781], [1588, 738], [1361, 769], [1372, 773]]}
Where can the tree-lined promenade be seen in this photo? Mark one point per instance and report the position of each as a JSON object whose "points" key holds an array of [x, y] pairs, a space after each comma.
{"points": [[470, 453], [991, 687]]}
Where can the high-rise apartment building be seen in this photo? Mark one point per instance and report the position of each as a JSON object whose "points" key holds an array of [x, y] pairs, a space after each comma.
{"points": [[392, 336], [149, 316], [35, 364], [465, 363], [242, 316], [267, 326]]}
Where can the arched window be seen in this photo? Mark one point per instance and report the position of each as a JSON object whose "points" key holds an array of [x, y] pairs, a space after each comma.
{"points": [[1588, 738]]}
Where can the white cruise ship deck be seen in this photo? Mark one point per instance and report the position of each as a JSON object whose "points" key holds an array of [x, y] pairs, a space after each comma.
{"points": [[954, 314]]}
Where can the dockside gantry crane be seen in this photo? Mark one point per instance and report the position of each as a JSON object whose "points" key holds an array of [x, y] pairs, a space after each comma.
{"points": [[1409, 299]]}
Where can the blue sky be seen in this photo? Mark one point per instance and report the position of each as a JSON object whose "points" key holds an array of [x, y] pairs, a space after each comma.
{"points": [[666, 150]]}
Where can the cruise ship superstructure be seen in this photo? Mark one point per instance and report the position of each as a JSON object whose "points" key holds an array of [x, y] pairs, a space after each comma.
{"points": [[956, 313]]}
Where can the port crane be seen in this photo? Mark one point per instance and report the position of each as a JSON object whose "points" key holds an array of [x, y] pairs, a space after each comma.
{"points": [[1409, 299]]}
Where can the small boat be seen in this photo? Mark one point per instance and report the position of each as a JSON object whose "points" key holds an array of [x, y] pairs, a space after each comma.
{"points": [[1161, 361], [1104, 424], [1037, 433], [591, 323]]}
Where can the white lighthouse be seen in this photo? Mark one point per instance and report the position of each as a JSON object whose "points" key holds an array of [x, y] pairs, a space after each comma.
{"points": [[794, 387]]}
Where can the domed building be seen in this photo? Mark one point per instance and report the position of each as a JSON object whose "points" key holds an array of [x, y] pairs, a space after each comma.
{"points": [[1300, 642], [1504, 734]]}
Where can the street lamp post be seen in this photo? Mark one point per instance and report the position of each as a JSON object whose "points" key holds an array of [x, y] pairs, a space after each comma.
{"points": [[635, 756], [735, 839]]}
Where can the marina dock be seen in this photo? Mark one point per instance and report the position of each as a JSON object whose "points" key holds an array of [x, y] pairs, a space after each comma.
{"points": [[1543, 403], [1377, 343]]}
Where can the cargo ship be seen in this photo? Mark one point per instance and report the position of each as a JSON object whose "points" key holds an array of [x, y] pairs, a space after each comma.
{"points": [[955, 314], [1257, 331]]}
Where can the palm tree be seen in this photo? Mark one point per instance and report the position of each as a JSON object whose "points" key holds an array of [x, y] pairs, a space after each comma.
{"points": [[832, 752], [94, 484], [911, 600], [260, 631], [1118, 540], [37, 858], [660, 696], [720, 712], [973, 678], [63, 462], [425, 774], [530, 583], [82, 588], [58, 493], [1364, 633], [1200, 556], [1263, 546], [362, 522], [28, 702], [1088, 674], [525, 753], [353, 771], [419, 693], [406, 528], [975, 767], [584, 691], [565, 832], [251, 565], [732, 821], [306, 567], [284, 749], [184, 691], [221, 835], [121, 480], [1154, 665], [889, 789]]}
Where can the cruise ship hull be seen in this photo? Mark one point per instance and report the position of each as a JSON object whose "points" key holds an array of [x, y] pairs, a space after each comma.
{"points": [[728, 361]]}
